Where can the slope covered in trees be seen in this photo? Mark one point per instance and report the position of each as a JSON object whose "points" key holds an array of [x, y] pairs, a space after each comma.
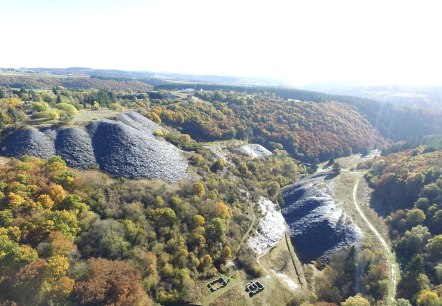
{"points": [[309, 131], [409, 187], [392, 121]]}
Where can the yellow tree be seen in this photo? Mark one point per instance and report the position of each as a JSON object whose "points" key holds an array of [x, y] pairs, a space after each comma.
{"points": [[199, 189], [57, 266], [428, 298], [222, 210], [57, 193]]}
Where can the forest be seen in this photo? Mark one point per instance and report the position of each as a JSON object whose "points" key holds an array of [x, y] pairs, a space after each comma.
{"points": [[311, 132], [408, 190]]}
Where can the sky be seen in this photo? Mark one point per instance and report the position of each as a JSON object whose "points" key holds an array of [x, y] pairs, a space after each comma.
{"points": [[311, 41]]}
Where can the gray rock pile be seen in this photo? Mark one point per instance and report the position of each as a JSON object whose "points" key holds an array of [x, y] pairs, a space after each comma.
{"points": [[123, 147], [317, 224], [28, 141], [254, 150], [271, 227]]}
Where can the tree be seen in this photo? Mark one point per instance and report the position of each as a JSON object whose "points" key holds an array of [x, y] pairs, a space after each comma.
{"points": [[199, 189], [61, 289], [218, 165], [216, 230], [413, 241], [60, 244], [435, 248], [154, 117], [57, 266], [402, 302], [165, 216], [415, 217], [198, 220], [222, 210], [428, 298], [356, 300], [336, 168], [110, 283], [57, 193], [227, 253], [106, 238], [27, 285]]}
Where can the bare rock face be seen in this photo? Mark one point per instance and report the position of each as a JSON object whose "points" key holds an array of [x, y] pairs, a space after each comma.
{"points": [[123, 147], [317, 224]]}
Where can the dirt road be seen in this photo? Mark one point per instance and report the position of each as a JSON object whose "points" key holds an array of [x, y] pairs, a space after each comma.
{"points": [[390, 258]]}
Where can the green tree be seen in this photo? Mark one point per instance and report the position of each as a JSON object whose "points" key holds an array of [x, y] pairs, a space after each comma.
{"points": [[336, 168], [435, 248], [356, 300]]}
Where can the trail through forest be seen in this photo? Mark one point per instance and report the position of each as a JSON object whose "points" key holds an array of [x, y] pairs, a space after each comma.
{"points": [[386, 248]]}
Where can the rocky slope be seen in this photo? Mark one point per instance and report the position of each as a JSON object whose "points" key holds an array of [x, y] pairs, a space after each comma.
{"points": [[123, 147], [317, 224]]}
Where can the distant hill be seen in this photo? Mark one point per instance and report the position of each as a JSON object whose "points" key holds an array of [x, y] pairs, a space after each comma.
{"points": [[428, 97], [36, 81], [396, 122]]}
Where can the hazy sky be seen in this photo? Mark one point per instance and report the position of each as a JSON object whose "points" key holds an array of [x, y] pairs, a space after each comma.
{"points": [[302, 41]]}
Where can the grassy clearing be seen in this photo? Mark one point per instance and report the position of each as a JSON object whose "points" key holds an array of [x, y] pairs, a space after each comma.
{"points": [[203, 295], [232, 297], [87, 115]]}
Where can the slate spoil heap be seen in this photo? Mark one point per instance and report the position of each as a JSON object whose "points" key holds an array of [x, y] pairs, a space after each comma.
{"points": [[124, 146], [317, 224]]}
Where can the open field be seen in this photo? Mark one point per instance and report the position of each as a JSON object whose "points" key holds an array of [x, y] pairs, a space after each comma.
{"points": [[87, 115]]}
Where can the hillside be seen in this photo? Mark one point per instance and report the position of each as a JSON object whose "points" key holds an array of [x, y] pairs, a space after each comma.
{"points": [[392, 121], [309, 131], [408, 187], [38, 81]]}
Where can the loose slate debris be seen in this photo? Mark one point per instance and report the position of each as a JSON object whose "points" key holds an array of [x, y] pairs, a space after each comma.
{"points": [[271, 227], [29, 141], [74, 145], [317, 224], [254, 150], [123, 147]]}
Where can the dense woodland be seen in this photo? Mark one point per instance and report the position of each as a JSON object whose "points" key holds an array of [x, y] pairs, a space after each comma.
{"points": [[408, 187], [77, 82], [392, 121], [69, 238], [309, 131]]}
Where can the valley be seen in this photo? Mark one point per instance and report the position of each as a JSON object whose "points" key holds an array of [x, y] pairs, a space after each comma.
{"points": [[300, 201]]}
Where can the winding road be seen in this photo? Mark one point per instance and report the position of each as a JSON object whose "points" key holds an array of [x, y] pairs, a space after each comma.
{"points": [[390, 258]]}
